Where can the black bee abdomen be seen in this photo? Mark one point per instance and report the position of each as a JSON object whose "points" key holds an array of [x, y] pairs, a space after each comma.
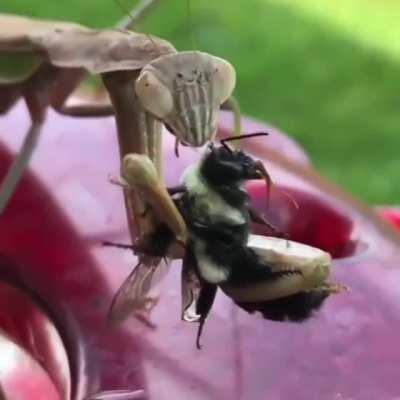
{"points": [[296, 308]]}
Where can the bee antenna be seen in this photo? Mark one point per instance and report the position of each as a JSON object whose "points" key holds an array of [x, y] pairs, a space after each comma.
{"points": [[222, 141], [241, 137]]}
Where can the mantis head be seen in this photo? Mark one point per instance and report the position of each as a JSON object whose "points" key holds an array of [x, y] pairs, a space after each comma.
{"points": [[185, 91]]}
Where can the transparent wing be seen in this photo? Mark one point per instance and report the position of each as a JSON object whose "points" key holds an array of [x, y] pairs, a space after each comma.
{"points": [[134, 293]]}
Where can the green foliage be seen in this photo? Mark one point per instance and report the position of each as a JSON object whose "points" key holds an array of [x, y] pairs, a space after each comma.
{"points": [[335, 92], [16, 67]]}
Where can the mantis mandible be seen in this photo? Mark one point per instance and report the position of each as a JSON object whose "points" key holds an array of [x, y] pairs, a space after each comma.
{"points": [[149, 84]]}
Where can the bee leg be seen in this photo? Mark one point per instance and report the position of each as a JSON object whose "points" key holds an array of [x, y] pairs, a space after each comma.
{"points": [[135, 248], [257, 218], [331, 288], [176, 189], [203, 307], [284, 269], [190, 288], [197, 295], [119, 245], [177, 147]]}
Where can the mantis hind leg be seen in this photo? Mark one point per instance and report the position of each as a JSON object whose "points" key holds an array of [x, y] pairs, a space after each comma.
{"points": [[9, 95], [36, 94], [37, 109]]}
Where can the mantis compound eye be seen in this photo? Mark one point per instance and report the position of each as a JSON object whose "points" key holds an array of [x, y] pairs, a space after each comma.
{"points": [[224, 78], [154, 96]]}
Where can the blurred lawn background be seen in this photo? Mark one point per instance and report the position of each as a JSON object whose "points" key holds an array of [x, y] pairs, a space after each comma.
{"points": [[326, 72]]}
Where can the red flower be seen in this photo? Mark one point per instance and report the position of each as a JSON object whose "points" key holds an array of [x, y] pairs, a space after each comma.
{"points": [[58, 281]]}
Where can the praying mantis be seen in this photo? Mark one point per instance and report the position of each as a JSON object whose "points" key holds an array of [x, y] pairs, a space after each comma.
{"points": [[148, 82]]}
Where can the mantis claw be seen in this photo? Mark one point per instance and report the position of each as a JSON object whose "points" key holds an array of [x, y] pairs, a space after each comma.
{"points": [[118, 181]]}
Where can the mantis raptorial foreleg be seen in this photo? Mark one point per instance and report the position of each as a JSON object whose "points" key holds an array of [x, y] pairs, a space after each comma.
{"points": [[140, 178], [148, 82], [132, 138], [140, 173]]}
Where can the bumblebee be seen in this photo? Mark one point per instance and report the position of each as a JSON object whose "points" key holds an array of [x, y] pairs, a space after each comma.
{"points": [[284, 281], [281, 279]]}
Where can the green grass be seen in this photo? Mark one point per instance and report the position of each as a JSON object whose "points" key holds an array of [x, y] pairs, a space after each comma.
{"points": [[328, 75]]}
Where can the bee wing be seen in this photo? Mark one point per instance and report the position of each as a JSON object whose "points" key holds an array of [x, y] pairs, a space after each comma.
{"points": [[133, 295]]}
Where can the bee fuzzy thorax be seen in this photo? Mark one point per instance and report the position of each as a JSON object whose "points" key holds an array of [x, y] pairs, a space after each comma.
{"points": [[206, 202]]}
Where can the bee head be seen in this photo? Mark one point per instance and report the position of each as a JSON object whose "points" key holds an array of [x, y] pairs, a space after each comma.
{"points": [[224, 166]]}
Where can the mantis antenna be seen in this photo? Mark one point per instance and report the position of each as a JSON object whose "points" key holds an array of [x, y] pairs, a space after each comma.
{"points": [[141, 10], [133, 19], [190, 24]]}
